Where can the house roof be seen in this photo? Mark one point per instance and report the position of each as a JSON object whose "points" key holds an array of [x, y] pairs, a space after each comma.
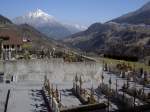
{"points": [[14, 38]]}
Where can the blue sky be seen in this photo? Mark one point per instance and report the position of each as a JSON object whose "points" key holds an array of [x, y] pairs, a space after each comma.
{"points": [[83, 12]]}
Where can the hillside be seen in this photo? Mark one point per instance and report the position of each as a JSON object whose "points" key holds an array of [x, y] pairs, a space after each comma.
{"points": [[113, 38], [4, 20], [38, 40], [128, 35], [140, 16]]}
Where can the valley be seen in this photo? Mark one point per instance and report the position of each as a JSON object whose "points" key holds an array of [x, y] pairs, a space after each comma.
{"points": [[75, 56]]}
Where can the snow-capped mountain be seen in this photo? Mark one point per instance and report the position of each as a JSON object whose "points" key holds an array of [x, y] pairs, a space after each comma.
{"points": [[48, 24]]}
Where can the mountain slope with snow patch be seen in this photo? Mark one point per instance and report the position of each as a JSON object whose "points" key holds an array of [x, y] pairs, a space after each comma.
{"points": [[48, 24]]}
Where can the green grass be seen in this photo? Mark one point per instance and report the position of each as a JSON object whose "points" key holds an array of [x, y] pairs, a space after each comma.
{"points": [[137, 65]]}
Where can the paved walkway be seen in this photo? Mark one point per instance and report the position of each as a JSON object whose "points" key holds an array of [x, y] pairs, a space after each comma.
{"points": [[25, 99]]}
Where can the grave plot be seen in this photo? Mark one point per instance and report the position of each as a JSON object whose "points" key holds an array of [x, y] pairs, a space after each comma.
{"points": [[29, 79]]}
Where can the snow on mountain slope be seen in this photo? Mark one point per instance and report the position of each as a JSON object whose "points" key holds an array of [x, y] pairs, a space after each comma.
{"points": [[35, 19], [48, 24]]}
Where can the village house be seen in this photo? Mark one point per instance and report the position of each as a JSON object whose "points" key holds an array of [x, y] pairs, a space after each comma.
{"points": [[10, 47]]}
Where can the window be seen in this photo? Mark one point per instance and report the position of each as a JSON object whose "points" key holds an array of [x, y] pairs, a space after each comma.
{"points": [[4, 46], [12, 46], [18, 46], [7, 46]]}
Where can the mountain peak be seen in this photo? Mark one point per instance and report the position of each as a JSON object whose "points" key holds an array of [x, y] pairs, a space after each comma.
{"points": [[39, 13], [39, 10], [47, 24]]}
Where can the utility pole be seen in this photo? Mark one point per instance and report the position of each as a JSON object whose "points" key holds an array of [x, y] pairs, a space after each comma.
{"points": [[110, 82], [123, 88], [109, 92], [134, 95], [102, 76], [116, 85], [144, 83]]}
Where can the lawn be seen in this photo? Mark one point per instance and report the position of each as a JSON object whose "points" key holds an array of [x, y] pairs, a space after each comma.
{"points": [[137, 65]]}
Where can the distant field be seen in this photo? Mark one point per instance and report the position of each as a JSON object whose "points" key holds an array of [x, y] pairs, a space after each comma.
{"points": [[133, 64]]}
